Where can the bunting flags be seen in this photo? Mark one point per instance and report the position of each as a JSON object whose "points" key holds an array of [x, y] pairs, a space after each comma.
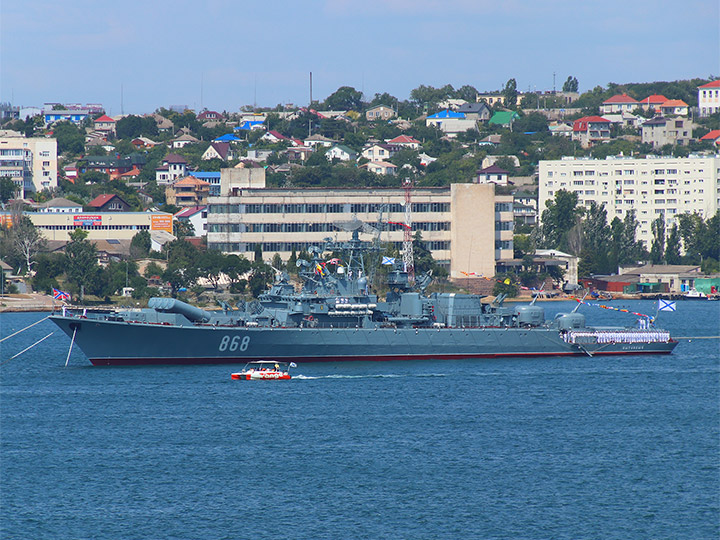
{"points": [[581, 301]]}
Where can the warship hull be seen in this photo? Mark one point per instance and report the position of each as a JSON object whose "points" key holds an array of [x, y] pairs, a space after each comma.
{"points": [[123, 343]]}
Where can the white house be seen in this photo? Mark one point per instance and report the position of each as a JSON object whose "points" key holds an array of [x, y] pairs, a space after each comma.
{"points": [[197, 215], [619, 103], [172, 168], [378, 152], [341, 152], [380, 167], [184, 140]]}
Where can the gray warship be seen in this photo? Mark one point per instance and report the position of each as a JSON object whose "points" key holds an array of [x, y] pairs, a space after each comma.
{"points": [[336, 317]]}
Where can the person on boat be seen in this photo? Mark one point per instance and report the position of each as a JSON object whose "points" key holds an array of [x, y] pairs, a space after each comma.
{"points": [[277, 367]]}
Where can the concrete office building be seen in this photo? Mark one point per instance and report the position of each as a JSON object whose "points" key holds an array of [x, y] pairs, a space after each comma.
{"points": [[466, 226], [652, 186]]}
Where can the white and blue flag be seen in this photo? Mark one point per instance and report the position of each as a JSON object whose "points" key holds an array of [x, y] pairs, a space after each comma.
{"points": [[666, 305], [388, 260]]}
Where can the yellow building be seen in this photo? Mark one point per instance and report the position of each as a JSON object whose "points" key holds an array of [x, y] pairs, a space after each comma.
{"points": [[100, 226]]}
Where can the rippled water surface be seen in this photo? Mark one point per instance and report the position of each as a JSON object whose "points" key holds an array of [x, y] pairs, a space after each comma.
{"points": [[611, 447]]}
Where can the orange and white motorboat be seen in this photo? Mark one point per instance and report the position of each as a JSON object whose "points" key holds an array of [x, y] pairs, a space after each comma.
{"points": [[265, 370]]}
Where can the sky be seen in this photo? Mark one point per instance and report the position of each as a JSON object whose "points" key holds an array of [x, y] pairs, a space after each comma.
{"points": [[136, 56]]}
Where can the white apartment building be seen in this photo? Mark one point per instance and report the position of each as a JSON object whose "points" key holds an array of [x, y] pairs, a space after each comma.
{"points": [[709, 98], [662, 186], [466, 226], [31, 162]]}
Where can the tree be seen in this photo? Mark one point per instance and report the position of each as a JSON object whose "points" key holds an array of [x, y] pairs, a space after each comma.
{"points": [[81, 264], [132, 126], [505, 284], [25, 239], [558, 219], [468, 93], [596, 242], [69, 138], [510, 94], [570, 85], [383, 99], [234, 268], [261, 277], [657, 251], [140, 245], [8, 189], [292, 262], [523, 244], [183, 228], [672, 247], [258, 255], [345, 98], [153, 269]]}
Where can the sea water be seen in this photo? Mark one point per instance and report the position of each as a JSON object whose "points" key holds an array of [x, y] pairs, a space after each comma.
{"points": [[605, 447]]}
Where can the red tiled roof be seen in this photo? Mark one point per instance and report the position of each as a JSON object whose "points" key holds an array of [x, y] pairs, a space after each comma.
{"points": [[655, 99], [620, 98], [101, 200], [188, 212], [277, 134], [711, 84], [191, 181], [674, 103], [105, 118], [581, 124], [400, 139], [712, 136]]}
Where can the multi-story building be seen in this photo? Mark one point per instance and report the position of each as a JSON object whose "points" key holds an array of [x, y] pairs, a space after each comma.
{"points": [[30, 162], [173, 167], [466, 226], [660, 131], [709, 98], [99, 225], [187, 192], [652, 187], [590, 130]]}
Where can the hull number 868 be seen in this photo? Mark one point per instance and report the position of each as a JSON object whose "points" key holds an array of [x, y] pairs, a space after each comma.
{"points": [[234, 343]]}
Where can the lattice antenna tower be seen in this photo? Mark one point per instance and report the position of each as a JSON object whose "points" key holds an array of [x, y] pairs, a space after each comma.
{"points": [[408, 260]]}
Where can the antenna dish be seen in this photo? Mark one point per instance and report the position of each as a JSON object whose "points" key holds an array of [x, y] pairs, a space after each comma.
{"points": [[349, 226]]}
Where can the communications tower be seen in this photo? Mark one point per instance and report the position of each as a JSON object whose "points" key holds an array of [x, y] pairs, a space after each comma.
{"points": [[408, 261]]}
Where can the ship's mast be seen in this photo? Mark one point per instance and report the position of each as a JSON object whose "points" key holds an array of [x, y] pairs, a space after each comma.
{"points": [[408, 260]]}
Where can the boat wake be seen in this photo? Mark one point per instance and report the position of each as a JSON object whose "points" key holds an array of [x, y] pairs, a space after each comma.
{"points": [[369, 376]]}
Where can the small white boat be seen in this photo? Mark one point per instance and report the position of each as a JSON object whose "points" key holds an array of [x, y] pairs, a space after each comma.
{"points": [[694, 294], [265, 370]]}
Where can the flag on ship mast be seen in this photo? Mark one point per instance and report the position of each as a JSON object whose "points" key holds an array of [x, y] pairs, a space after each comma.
{"points": [[388, 260], [60, 295], [666, 305]]}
